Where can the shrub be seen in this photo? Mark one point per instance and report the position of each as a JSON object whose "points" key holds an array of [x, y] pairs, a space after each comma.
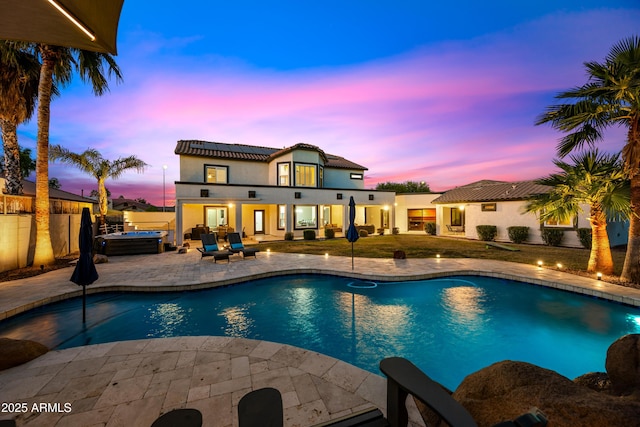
{"points": [[309, 235], [552, 236], [380, 231], [288, 235], [430, 228], [395, 230], [329, 233], [584, 234], [487, 233], [363, 233], [518, 234]]}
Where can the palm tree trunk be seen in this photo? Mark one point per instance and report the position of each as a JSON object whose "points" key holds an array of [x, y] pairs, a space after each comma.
{"points": [[44, 249], [12, 171], [103, 201], [631, 269], [600, 259]]}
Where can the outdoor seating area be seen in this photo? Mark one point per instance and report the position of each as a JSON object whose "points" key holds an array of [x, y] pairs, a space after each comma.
{"points": [[210, 248]]}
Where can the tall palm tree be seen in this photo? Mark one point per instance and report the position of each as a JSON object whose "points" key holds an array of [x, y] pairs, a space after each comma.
{"points": [[19, 72], [92, 162], [58, 64], [596, 180], [611, 97]]}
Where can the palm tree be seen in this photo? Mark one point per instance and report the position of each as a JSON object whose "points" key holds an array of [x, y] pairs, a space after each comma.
{"points": [[92, 162], [596, 180], [58, 64], [19, 72], [610, 97]]}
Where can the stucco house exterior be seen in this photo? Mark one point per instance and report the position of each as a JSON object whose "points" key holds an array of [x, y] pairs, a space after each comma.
{"points": [[271, 191], [499, 203]]}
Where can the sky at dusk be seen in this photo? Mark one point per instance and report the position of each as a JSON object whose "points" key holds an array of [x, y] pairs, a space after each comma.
{"points": [[413, 90]]}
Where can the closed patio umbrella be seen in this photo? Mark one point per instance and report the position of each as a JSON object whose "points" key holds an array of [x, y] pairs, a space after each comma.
{"points": [[352, 232], [83, 24], [85, 272]]}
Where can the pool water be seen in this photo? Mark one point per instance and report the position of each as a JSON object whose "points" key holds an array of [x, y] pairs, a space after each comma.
{"points": [[448, 327]]}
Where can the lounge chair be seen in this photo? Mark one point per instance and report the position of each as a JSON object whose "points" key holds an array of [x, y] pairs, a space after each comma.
{"points": [[404, 378], [236, 246], [261, 408], [210, 248]]}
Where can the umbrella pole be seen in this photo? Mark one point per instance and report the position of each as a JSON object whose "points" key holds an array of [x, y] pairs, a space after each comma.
{"points": [[351, 255], [84, 303]]}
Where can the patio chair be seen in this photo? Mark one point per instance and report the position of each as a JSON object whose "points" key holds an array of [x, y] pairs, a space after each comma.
{"points": [[236, 246], [210, 248], [261, 408], [404, 378]]}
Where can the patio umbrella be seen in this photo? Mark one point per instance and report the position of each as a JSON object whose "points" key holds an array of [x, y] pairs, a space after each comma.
{"points": [[352, 232], [83, 24], [85, 272]]}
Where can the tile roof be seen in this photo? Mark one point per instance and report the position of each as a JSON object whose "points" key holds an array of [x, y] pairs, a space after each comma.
{"points": [[489, 191], [256, 153]]}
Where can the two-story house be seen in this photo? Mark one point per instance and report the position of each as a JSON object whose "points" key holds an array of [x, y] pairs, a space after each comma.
{"points": [[271, 191]]}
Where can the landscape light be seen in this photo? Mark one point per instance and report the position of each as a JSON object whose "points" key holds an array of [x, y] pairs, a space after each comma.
{"points": [[326, 254], [539, 264], [438, 256], [559, 266], [599, 275]]}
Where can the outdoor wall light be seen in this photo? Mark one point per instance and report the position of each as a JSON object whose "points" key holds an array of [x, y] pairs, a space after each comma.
{"points": [[370, 196], [339, 196], [599, 275], [230, 205], [386, 207]]}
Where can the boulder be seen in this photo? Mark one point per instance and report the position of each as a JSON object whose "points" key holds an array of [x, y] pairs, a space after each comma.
{"points": [[506, 390], [597, 381], [16, 352], [182, 250], [623, 364], [100, 259]]}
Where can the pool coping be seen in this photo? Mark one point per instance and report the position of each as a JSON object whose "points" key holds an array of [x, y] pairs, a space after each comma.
{"points": [[271, 265]]}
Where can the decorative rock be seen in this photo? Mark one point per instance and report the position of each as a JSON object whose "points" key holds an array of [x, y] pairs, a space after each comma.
{"points": [[182, 250], [100, 259], [623, 364], [17, 352], [597, 381], [399, 255], [506, 390]]}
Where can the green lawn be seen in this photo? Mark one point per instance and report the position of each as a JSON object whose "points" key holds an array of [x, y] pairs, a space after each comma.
{"points": [[425, 246]]}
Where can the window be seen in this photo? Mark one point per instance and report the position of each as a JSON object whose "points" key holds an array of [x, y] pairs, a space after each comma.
{"points": [[488, 207], [216, 174], [456, 217], [559, 223], [357, 176], [321, 177], [305, 216], [282, 217], [326, 215], [305, 175], [283, 174], [416, 218]]}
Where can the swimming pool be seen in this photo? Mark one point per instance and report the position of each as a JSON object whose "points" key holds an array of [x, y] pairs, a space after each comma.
{"points": [[449, 327]]}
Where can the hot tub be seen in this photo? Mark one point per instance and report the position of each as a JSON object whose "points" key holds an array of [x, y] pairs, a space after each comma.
{"points": [[131, 243]]}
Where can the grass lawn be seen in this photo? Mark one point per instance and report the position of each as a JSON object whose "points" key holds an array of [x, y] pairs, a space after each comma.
{"points": [[425, 246]]}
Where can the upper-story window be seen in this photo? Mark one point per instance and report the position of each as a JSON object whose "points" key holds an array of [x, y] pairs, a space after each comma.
{"points": [[283, 174], [568, 222], [217, 174], [305, 175]]}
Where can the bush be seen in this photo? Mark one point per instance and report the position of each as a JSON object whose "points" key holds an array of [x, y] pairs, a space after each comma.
{"points": [[380, 231], [329, 233], [430, 228], [584, 234], [552, 236], [518, 234], [395, 230], [363, 233], [288, 235], [309, 235], [487, 233]]}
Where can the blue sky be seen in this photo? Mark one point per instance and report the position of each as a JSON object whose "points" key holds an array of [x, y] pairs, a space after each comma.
{"points": [[445, 93]]}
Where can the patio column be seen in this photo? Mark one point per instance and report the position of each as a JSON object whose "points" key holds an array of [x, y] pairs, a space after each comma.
{"points": [[238, 222], [179, 234], [289, 218]]}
